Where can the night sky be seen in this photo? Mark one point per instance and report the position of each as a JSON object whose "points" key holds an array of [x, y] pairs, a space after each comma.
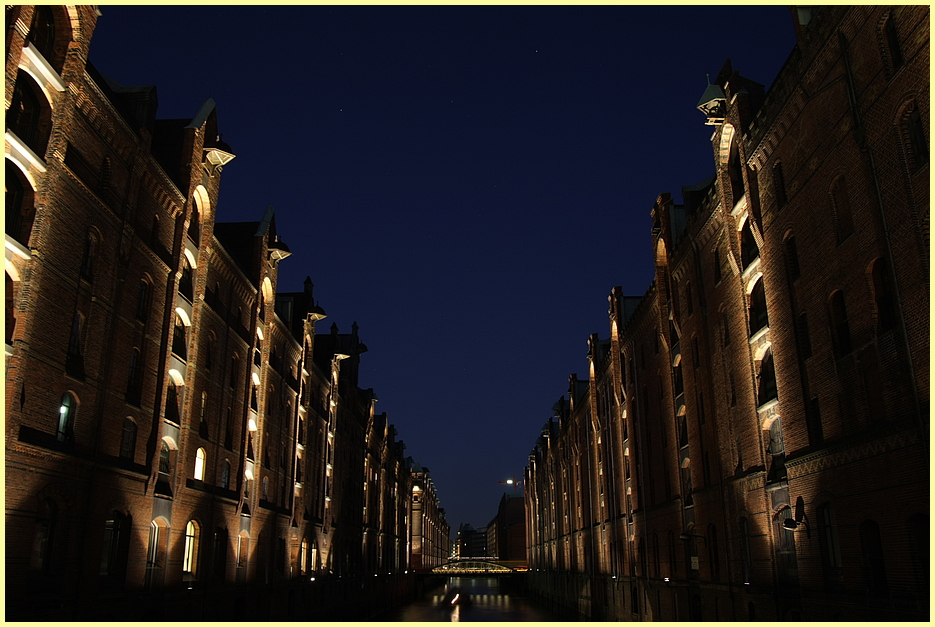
{"points": [[466, 183]]}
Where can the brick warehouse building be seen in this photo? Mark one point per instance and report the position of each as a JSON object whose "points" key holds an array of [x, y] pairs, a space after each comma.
{"points": [[180, 444], [751, 442]]}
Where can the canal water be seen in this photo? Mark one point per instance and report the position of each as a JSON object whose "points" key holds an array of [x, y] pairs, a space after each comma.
{"points": [[476, 599]]}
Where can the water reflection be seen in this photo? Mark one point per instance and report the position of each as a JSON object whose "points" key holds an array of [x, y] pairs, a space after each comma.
{"points": [[471, 599]]}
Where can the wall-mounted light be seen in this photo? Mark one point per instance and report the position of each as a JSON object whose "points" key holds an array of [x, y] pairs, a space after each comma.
{"points": [[218, 156], [713, 103], [798, 517]]}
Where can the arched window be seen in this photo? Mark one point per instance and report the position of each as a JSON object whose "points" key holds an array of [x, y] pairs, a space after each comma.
{"points": [[777, 451], [874, 564], [200, 465], [165, 459], [831, 562], [889, 45], [44, 540], [235, 371], [186, 288], [134, 378], [74, 340], [766, 390], [87, 260], [172, 403], [204, 406], [841, 202], [303, 557], [155, 233], [25, 115], [229, 430], [194, 226], [791, 258], [840, 331], [190, 552], [156, 552], [226, 475], [116, 549], [749, 251], [179, 339], [143, 300], [209, 351], [42, 32], [759, 317], [128, 439], [243, 549], [915, 145], [20, 204], [220, 553], [66, 418]]}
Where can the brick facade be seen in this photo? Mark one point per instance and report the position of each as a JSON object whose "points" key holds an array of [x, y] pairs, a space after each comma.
{"points": [[752, 440], [179, 442]]}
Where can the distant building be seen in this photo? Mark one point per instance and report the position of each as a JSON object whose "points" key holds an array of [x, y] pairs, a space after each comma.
{"points": [[752, 441], [430, 530], [472, 542], [180, 444], [506, 532]]}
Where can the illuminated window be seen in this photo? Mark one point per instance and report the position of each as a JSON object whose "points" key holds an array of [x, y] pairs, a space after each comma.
{"points": [[200, 464], [66, 418], [190, 552]]}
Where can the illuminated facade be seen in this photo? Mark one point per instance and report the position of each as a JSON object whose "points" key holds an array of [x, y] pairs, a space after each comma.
{"points": [[751, 442], [430, 529], [179, 442]]}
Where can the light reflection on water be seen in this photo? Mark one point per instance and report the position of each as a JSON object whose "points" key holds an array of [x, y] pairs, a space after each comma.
{"points": [[486, 603]]}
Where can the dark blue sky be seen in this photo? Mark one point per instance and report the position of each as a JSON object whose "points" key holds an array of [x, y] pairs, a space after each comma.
{"points": [[467, 183]]}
